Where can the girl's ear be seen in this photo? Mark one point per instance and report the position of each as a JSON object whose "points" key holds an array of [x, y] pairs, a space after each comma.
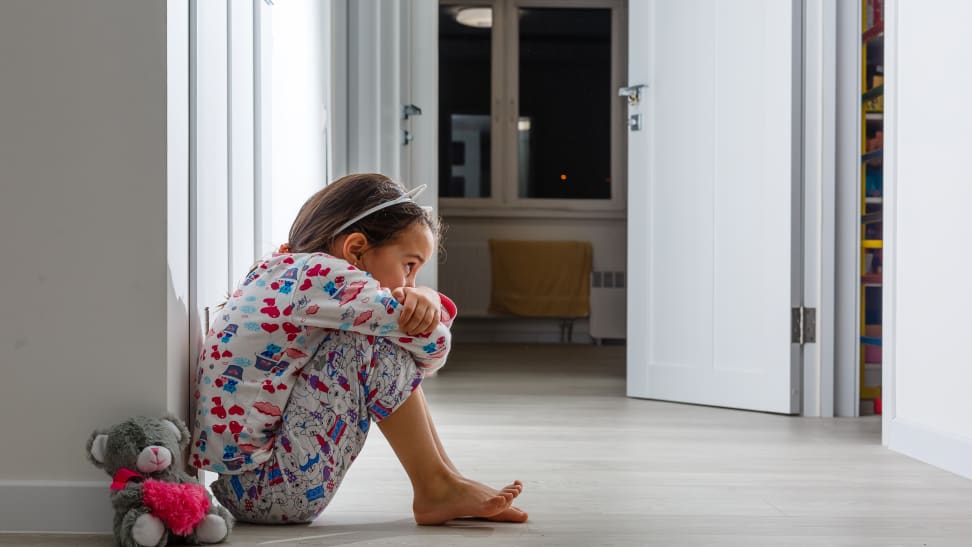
{"points": [[353, 246]]}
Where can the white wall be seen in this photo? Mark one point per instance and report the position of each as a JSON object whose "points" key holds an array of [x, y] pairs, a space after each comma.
{"points": [[87, 292], [927, 260]]}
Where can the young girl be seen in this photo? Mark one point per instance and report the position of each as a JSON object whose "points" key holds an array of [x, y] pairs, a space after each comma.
{"points": [[317, 342]]}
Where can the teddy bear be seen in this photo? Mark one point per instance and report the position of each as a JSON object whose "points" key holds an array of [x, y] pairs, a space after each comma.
{"points": [[152, 495]]}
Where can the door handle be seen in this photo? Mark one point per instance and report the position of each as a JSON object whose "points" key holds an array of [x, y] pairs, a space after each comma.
{"points": [[633, 93], [410, 110]]}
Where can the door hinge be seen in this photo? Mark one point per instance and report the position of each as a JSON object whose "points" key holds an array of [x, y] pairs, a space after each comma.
{"points": [[803, 326]]}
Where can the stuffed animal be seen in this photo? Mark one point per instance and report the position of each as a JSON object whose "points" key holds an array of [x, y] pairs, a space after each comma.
{"points": [[152, 495]]}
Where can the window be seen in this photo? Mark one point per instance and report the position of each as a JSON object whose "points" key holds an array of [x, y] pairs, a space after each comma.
{"points": [[528, 110], [465, 56], [564, 130]]}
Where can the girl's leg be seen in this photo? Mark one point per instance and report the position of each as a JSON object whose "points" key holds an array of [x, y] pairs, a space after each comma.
{"points": [[440, 493], [511, 514]]}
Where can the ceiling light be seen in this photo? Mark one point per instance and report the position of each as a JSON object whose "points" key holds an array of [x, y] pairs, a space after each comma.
{"points": [[475, 17]]}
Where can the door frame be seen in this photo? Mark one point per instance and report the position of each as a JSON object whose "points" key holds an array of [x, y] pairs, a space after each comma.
{"points": [[820, 141], [847, 212]]}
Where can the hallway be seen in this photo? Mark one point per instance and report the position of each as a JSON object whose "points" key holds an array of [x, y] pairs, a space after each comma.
{"points": [[602, 469]]}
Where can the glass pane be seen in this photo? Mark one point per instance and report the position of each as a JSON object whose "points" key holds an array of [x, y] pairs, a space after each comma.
{"points": [[465, 38], [564, 129]]}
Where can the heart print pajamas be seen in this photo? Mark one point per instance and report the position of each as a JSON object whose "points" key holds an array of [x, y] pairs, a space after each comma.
{"points": [[305, 354]]}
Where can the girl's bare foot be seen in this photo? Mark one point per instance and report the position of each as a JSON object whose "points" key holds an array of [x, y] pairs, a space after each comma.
{"points": [[513, 514], [458, 497]]}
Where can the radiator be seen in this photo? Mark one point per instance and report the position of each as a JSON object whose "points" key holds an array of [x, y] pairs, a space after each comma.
{"points": [[608, 304]]}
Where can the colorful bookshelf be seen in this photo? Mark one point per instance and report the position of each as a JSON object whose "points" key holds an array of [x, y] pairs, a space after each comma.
{"points": [[872, 203]]}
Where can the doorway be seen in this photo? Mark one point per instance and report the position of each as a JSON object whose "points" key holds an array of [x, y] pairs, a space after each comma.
{"points": [[532, 148]]}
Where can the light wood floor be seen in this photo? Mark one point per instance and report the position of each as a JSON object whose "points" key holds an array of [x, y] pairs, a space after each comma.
{"points": [[602, 469]]}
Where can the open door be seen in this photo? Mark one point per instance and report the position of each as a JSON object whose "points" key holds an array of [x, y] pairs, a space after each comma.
{"points": [[714, 190]]}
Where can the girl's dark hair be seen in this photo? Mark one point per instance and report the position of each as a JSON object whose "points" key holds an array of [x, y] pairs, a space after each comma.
{"points": [[315, 228]]}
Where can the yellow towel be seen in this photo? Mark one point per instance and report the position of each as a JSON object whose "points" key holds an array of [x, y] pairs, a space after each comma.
{"points": [[541, 278]]}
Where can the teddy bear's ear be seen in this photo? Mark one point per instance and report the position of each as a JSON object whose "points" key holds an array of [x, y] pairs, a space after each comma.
{"points": [[179, 428], [97, 446]]}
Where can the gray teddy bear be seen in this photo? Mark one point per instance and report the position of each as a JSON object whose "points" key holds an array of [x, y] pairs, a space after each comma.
{"points": [[152, 495]]}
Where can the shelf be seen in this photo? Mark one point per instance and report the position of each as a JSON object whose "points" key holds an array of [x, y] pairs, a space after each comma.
{"points": [[871, 218], [870, 392], [873, 155], [874, 200], [872, 280], [872, 93], [871, 340], [873, 32], [872, 244], [874, 116]]}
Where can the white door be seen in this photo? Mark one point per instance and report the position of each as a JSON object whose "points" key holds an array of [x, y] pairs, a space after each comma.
{"points": [[714, 186]]}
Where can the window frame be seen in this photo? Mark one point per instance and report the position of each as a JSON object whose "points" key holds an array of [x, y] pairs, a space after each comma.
{"points": [[504, 115]]}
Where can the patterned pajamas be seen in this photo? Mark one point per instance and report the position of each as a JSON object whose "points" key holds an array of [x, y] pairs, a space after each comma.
{"points": [[304, 355], [342, 389]]}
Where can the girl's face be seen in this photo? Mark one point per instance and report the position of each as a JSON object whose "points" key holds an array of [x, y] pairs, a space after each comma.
{"points": [[397, 263]]}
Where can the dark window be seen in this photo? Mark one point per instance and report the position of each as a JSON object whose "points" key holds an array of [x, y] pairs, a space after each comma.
{"points": [[465, 64], [565, 103]]}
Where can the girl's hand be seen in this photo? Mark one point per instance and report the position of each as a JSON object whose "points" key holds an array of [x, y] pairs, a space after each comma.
{"points": [[421, 309]]}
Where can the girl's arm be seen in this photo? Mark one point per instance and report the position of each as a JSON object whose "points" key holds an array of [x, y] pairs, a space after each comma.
{"points": [[330, 293], [417, 302]]}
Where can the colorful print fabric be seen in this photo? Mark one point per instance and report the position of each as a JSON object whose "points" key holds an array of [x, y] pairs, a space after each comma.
{"points": [[278, 320], [332, 404]]}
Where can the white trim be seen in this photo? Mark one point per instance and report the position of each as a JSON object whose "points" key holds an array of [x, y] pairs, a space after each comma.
{"points": [[420, 86], [338, 103], [263, 127], [68, 507], [241, 123], [177, 348], [373, 88], [827, 211], [927, 445], [819, 33], [847, 212], [798, 224], [890, 228]]}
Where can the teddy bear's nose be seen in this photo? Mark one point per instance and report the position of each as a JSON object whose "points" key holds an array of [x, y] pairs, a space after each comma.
{"points": [[154, 458]]}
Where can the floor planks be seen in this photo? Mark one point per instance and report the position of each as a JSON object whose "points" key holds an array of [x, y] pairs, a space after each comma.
{"points": [[602, 469]]}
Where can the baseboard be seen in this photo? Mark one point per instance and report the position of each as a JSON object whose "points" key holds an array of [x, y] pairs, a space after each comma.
{"points": [[516, 330], [55, 507], [932, 447]]}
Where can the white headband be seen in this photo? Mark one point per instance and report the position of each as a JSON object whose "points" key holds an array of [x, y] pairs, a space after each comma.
{"points": [[408, 196]]}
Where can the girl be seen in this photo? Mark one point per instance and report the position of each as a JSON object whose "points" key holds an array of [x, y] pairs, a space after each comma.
{"points": [[317, 342]]}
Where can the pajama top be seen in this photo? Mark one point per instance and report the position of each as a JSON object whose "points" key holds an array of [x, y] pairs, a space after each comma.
{"points": [[271, 326]]}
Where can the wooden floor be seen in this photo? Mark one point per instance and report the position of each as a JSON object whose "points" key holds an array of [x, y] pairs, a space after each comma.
{"points": [[602, 469]]}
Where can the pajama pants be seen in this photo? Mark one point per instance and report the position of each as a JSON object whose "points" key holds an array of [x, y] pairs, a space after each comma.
{"points": [[348, 384]]}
